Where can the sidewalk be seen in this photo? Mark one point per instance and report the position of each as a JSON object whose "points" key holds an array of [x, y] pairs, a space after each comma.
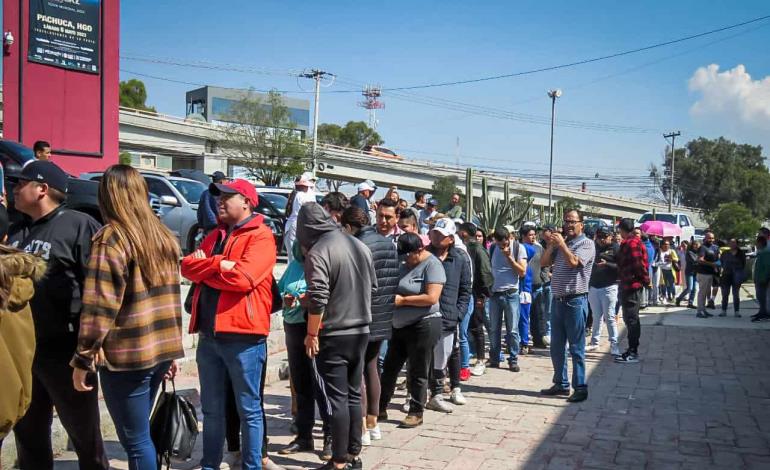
{"points": [[699, 398]]}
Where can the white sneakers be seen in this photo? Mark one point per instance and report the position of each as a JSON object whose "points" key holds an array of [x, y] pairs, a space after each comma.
{"points": [[375, 434], [592, 347], [366, 439], [437, 403], [614, 350], [457, 397], [479, 369]]}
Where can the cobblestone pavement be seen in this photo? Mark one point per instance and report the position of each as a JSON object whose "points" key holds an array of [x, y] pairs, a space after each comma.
{"points": [[699, 398]]}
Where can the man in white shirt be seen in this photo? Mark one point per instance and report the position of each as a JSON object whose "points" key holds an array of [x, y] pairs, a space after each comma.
{"points": [[304, 186]]}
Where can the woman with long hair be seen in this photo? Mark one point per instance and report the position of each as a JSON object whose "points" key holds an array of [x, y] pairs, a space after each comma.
{"points": [[131, 323]]}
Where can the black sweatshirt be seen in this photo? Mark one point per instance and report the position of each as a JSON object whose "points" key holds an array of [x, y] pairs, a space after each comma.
{"points": [[63, 239], [606, 274]]}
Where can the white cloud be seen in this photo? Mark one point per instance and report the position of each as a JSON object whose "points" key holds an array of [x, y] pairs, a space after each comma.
{"points": [[731, 98]]}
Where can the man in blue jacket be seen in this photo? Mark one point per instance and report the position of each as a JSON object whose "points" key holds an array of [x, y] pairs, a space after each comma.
{"points": [[207, 206]]}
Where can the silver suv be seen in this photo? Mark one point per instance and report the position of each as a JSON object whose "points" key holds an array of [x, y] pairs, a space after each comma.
{"points": [[178, 199]]}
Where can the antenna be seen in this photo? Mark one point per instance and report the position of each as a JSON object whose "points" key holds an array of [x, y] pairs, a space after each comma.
{"points": [[372, 103]]}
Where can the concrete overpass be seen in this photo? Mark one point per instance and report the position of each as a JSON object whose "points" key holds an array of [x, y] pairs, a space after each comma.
{"points": [[194, 144]]}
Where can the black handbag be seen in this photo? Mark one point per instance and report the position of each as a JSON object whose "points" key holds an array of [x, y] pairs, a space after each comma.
{"points": [[173, 427]]}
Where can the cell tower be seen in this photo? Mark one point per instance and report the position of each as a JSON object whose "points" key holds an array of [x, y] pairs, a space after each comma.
{"points": [[372, 103]]}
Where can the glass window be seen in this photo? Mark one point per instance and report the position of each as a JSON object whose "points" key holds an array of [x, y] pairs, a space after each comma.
{"points": [[670, 218], [158, 187], [278, 200], [190, 190]]}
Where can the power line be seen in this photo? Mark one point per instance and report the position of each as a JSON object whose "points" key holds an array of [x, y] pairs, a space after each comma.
{"points": [[579, 62]]}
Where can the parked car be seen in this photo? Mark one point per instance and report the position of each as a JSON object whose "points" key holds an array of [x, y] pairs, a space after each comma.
{"points": [[699, 234], [178, 199], [81, 195], [592, 225], [683, 220]]}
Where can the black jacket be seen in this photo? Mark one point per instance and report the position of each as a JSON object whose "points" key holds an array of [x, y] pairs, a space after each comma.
{"points": [[606, 274], [456, 293], [482, 269], [63, 239], [386, 268]]}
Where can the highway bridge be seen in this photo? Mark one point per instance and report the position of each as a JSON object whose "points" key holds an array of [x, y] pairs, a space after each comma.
{"points": [[194, 144]]}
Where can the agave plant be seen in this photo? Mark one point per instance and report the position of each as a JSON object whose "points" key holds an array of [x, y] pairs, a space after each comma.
{"points": [[495, 213]]}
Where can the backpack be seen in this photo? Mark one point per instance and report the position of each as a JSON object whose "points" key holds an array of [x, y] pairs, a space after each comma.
{"points": [[173, 427]]}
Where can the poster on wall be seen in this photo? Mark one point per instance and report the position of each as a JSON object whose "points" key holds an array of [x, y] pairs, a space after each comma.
{"points": [[65, 33]]}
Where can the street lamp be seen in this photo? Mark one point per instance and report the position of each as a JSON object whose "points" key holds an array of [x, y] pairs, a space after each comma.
{"points": [[553, 94]]}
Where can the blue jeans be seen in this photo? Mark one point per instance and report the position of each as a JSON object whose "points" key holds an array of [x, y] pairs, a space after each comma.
{"points": [[129, 397], [504, 306], [690, 287], [547, 306], [603, 301], [465, 349], [244, 362], [568, 323], [524, 310]]}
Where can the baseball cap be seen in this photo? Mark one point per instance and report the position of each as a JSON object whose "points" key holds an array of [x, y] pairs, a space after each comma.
{"points": [[238, 186], [445, 227], [365, 186], [44, 171], [218, 176], [305, 179], [433, 202]]}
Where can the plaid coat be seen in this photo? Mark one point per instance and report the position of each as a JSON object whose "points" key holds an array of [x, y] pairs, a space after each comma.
{"points": [[135, 325]]}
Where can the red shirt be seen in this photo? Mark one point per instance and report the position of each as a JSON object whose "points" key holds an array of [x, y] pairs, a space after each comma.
{"points": [[632, 264]]}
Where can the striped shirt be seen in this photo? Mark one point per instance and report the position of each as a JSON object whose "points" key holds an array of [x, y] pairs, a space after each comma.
{"points": [[567, 280], [136, 326]]}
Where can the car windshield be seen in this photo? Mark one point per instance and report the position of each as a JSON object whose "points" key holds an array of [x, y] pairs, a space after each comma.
{"points": [[670, 218], [191, 190], [278, 200], [699, 231]]}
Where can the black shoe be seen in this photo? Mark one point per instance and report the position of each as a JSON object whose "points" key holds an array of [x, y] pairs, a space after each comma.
{"points": [[578, 396], [708, 315], [330, 466], [493, 365], [555, 390], [326, 453], [690, 305], [628, 357], [711, 304], [297, 445], [678, 302], [760, 317], [355, 463], [514, 367]]}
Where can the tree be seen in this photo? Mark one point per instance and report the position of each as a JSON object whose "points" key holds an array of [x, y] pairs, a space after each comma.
{"points": [[443, 188], [734, 220], [124, 158], [567, 203], [355, 134], [711, 172], [133, 95], [263, 139]]}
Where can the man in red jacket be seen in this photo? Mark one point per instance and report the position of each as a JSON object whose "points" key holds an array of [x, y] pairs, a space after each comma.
{"points": [[233, 270]]}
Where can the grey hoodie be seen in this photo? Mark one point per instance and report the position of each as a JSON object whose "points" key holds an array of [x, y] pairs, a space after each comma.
{"points": [[339, 272]]}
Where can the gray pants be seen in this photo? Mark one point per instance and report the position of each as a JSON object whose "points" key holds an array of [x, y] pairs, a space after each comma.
{"points": [[603, 302], [704, 290]]}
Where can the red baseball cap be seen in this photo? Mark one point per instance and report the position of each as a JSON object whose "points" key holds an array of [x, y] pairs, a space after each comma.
{"points": [[238, 186]]}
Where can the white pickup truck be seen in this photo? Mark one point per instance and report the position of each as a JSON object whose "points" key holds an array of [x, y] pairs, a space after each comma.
{"points": [[682, 220]]}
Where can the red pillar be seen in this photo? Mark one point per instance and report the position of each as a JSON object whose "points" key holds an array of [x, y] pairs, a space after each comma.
{"points": [[76, 111]]}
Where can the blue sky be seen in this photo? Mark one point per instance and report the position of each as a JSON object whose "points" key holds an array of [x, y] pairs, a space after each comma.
{"points": [[398, 43]]}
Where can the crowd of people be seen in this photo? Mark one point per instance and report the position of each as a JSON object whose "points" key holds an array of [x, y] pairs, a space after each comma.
{"points": [[371, 292]]}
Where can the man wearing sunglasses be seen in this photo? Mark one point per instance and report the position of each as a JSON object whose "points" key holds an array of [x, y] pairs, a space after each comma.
{"points": [[571, 257]]}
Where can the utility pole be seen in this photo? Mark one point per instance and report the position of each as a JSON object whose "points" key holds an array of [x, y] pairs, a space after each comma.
{"points": [[316, 75], [457, 152], [553, 94], [672, 136]]}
